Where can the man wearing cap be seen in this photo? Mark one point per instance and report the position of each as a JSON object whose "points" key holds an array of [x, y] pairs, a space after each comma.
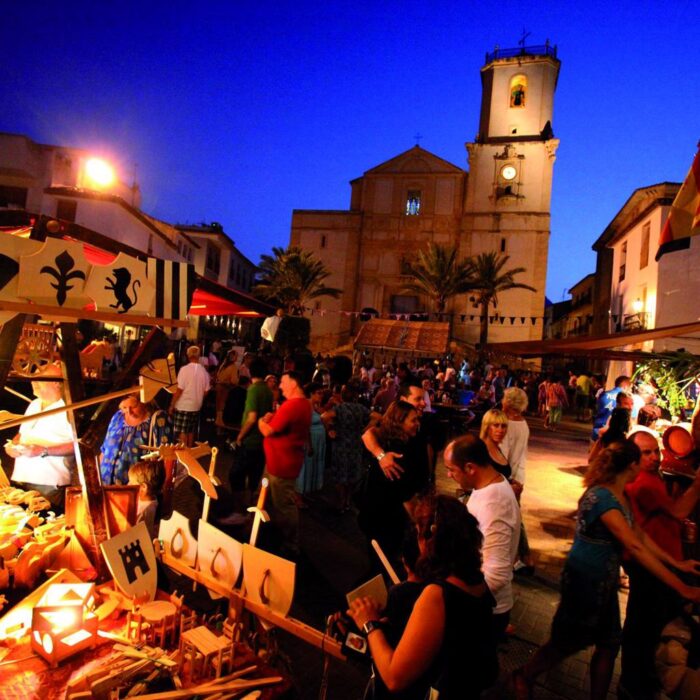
{"points": [[192, 385], [43, 449]]}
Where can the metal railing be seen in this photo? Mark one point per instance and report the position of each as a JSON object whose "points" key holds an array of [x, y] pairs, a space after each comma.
{"points": [[541, 50]]}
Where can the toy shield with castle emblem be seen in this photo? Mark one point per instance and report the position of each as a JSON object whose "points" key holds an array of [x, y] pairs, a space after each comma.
{"points": [[132, 562]]}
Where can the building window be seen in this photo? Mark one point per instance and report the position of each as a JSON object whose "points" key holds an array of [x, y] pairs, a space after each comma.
{"points": [[644, 253], [213, 263], [518, 90], [623, 261], [66, 209], [401, 304], [323, 240], [13, 197], [413, 203], [503, 245]]}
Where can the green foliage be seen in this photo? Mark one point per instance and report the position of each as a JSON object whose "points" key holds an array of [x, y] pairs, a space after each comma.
{"points": [[292, 335], [672, 373], [438, 275], [488, 280], [292, 277]]}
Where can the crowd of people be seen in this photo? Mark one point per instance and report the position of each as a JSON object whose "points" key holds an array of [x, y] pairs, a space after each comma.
{"points": [[372, 444]]}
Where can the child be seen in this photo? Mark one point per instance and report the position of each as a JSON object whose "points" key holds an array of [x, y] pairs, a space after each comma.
{"points": [[149, 477]]}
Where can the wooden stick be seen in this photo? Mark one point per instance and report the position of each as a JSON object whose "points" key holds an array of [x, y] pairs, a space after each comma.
{"points": [[387, 564], [17, 394], [71, 407], [56, 312], [212, 470], [210, 689]]}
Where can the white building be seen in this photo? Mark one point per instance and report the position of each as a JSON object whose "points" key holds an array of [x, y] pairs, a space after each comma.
{"points": [[634, 291]]}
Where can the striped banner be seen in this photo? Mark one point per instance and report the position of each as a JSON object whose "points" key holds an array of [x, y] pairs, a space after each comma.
{"points": [[174, 283], [684, 219]]}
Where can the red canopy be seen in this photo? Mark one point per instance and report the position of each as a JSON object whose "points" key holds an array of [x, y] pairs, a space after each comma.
{"points": [[208, 304]]}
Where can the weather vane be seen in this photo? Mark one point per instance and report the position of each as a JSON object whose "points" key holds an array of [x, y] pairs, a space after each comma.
{"points": [[525, 35], [418, 137]]}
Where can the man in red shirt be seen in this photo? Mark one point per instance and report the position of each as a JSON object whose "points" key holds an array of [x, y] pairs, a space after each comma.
{"points": [[651, 604], [286, 436]]}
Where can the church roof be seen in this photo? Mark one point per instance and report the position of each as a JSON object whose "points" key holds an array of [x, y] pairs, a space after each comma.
{"points": [[415, 160]]}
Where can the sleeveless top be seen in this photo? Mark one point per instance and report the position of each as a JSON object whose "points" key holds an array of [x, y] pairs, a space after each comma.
{"points": [[467, 662], [503, 469]]}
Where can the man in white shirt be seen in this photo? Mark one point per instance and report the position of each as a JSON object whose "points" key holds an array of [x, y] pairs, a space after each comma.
{"points": [[192, 385], [492, 502], [43, 449]]}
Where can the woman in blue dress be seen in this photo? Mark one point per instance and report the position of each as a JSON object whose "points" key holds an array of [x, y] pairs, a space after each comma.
{"points": [[589, 614], [310, 477]]}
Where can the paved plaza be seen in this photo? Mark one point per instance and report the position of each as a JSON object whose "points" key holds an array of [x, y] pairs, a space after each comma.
{"points": [[334, 560]]}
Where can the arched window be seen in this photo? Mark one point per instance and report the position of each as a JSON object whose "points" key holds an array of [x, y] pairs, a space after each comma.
{"points": [[518, 90]]}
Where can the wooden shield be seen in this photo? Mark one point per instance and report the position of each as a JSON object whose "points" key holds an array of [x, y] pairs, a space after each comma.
{"points": [[121, 287], [269, 579], [55, 275], [132, 562], [218, 555], [177, 539]]}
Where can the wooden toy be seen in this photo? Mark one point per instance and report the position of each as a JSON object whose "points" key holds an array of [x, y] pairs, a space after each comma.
{"points": [[63, 621]]}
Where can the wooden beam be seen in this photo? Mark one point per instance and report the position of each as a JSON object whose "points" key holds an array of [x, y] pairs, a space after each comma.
{"points": [[88, 468], [289, 624], [57, 312]]}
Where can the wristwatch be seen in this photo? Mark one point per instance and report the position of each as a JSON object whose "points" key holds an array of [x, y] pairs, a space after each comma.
{"points": [[370, 626], [380, 456], [45, 452]]}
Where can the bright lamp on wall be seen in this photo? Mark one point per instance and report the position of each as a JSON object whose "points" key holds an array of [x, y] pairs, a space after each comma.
{"points": [[638, 306]]}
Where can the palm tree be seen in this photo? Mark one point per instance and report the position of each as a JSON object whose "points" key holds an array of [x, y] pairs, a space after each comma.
{"points": [[488, 279], [438, 275], [292, 277]]}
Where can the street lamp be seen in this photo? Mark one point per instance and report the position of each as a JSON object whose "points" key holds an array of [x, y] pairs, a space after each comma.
{"points": [[99, 172]]}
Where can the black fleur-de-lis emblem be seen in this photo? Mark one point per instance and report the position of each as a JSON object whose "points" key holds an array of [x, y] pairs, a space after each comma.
{"points": [[63, 273]]}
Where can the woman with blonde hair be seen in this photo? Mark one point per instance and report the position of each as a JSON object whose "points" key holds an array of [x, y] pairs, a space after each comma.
{"points": [[589, 612], [494, 426], [514, 448]]}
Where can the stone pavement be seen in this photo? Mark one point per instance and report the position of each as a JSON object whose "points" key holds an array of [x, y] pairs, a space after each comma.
{"points": [[335, 557]]}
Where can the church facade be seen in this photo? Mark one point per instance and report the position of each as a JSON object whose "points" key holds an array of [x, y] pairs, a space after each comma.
{"points": [[501, 203]]}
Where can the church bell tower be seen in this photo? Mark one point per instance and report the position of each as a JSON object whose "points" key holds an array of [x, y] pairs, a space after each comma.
{"points": [[507, 201]]}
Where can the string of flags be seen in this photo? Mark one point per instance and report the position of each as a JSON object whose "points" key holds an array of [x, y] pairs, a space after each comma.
{"points": [[462, 318]]}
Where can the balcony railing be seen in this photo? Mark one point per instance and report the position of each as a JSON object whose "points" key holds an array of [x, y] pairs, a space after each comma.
{"points": [[541, 50], [635, 322]]}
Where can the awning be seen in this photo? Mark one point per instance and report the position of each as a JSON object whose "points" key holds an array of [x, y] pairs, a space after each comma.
{"points": [[590, 343], [419, 337], [212, 299]]}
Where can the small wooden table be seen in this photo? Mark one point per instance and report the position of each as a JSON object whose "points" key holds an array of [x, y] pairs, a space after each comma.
{"points": [[201, 640]]}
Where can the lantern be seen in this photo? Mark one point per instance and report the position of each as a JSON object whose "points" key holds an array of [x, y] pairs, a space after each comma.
{"points": [[64, 622]]}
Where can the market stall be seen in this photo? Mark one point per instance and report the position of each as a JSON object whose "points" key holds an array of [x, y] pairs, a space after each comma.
{"points": [[87, 616]]}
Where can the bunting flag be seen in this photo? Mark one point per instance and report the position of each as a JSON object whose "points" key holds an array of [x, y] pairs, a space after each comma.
{"points": [[522, 320], [512, 320], [684, 219], [174, 283]]}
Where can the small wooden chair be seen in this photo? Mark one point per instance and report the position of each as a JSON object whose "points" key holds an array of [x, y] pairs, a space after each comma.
{"points": [[187, 653], [232, 632], [137, 629]]}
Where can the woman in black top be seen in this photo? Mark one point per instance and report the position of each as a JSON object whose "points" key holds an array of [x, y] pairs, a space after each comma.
{"points": [[447, 644], [383, 516]]}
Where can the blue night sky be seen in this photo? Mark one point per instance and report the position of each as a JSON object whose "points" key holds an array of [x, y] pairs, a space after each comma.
{"points": [[239, 112]]}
